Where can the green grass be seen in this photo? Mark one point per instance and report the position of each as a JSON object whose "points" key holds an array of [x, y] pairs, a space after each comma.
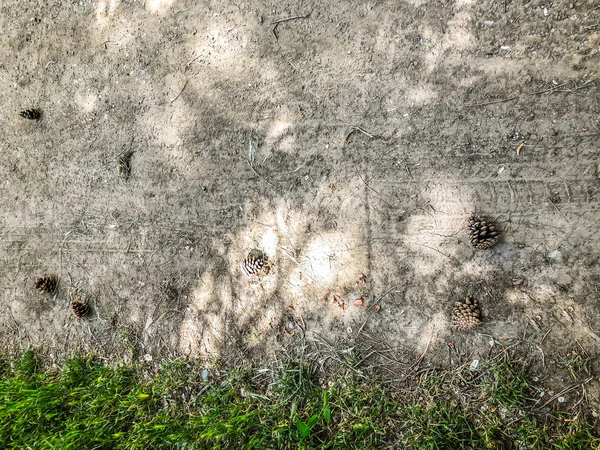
{"points": [[87, 405]]}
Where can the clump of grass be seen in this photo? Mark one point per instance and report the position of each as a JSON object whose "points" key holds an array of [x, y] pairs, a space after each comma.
{"points": [[92, 406], [507, 383]]}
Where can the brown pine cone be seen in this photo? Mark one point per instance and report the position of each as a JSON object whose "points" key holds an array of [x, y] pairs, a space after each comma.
{"points": [[79, 306], [31, 114], [46, 284], [255, 263], [482, 233], [465, 316], [124, 165]]}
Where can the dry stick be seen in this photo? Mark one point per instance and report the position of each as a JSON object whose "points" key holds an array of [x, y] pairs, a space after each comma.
{"points": [[559, 211], [190, 62], [180, 92], [362, 131], [551, 90], [370, 188], [388, 291], [435, 249], [423, 354], [448, 235], [372, 136], [251, 152], [287, 19], [566, 390], [543, 356], [298, 263], [491, 103], [259, 175], [545, 335]]}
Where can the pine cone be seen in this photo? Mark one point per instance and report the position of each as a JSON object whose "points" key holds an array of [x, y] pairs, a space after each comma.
{"points": [[31, 114], [124, 165], [482, 233], [255, 264], [46, 284], [465, 316], [79, 306]]}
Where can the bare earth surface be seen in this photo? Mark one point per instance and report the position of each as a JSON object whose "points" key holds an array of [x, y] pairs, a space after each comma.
{"points": [[350, 144]]}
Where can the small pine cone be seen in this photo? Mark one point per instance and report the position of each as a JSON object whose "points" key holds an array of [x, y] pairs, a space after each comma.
{"points": [[465, 316], [46, 284], [255, 264], [31, 114], [124, 165], [482, 233], [80, 308]]}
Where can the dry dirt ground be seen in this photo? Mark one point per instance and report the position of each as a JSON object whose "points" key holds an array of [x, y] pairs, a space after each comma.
{"points": [[349, 143]]}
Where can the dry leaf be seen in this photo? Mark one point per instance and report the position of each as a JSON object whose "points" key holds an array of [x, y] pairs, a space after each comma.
{"points": [[358, 302], [519, 149]]}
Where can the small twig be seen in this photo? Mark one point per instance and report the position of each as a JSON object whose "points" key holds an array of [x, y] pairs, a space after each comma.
{"points": [[190, 62], [387, 292], [492, 103], [566, 390], [447, 235], [543, 356], [180, 92], [559, 211], [416, 367], [287, 19], [372, 136], [362, 131], [544, 336], [435, 249], [108, 42], [553, 88], [366, 184], [251, 153], [550, 90], [576, 88]]}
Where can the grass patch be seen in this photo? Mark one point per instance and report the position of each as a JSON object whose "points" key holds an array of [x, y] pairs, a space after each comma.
{"points": [[92, 406]]}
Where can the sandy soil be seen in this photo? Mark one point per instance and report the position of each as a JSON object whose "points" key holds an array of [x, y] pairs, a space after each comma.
{"points": [[349, 143]]}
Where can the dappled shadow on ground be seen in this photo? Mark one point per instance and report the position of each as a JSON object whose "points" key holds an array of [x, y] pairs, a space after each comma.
{"points": [[350, 145]]}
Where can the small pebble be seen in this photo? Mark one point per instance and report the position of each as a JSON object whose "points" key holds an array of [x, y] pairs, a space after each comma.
{"points": [[555, 255]]}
